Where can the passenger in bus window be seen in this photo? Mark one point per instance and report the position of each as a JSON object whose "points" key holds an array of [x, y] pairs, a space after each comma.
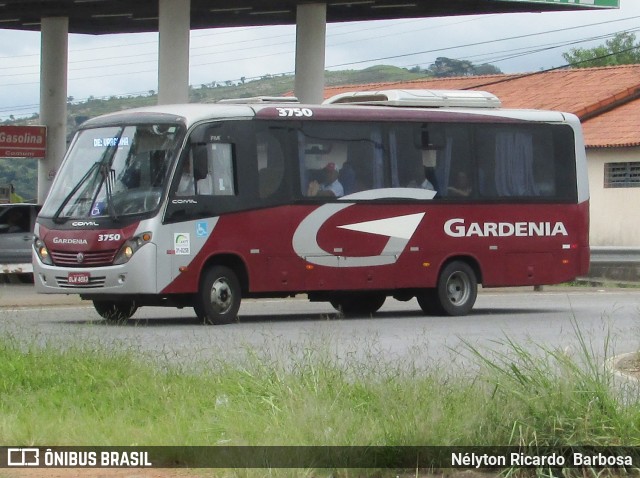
{"points": [[461, 186], [330, 185], [422, 179]]}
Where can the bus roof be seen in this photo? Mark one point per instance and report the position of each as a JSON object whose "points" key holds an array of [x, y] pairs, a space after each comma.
{"points": [[188, 113], [389, 105]]}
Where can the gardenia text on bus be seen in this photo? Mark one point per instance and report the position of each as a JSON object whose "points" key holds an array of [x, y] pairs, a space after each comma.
{"points": [[457, 228]]}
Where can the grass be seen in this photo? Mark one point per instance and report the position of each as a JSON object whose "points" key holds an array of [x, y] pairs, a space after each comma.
{"points": [[603, 282], [515, 395], [88, 397], [553, 398]]}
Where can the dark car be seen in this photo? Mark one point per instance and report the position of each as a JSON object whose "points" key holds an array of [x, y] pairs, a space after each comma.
{"points": [[16, 237]]}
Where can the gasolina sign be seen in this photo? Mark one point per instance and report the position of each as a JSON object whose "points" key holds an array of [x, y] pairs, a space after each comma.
{"points": [[23, 141]]}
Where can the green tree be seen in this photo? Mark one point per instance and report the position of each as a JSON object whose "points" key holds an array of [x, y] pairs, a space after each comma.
{"points": [[619, 50], [486, 69], [445, 67]]}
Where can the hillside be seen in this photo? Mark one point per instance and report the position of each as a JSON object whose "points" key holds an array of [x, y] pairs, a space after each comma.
{"points": [[268, 85], [23, 173]]}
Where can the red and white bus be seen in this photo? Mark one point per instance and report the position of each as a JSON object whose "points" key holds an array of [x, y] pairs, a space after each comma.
{"points": [[371, 195]]}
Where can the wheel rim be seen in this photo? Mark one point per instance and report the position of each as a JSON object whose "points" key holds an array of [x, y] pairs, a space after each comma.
{"points": [[458, 288], [221, 296]]}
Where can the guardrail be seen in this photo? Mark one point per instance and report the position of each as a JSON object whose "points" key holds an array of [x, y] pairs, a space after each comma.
{"points": [[21, 268], [610, 254], [620, 264]]}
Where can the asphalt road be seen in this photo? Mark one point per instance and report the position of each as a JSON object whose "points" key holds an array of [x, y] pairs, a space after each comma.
{"points": [[607, 320]]}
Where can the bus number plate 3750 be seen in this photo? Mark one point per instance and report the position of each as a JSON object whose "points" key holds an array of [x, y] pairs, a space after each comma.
{"points": [[78, 278]]}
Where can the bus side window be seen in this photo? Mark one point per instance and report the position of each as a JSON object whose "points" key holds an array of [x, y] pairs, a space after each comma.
{"points": [[186, 184], [454, 170], [516, 162], [270, 165], [213, 169], [360, 158], [415, 159], [341, 158]]}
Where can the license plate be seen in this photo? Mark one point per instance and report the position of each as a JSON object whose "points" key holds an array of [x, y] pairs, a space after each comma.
{"points": [[78, 278]]}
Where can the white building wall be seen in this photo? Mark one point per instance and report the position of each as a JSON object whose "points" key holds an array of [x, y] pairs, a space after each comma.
{"points": [[615, 212]]}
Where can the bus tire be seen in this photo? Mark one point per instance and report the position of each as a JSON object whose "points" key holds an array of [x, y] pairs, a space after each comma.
{"points": [[428, 302], [455, 293], [115, 311], [359, 304], [218, 300]]}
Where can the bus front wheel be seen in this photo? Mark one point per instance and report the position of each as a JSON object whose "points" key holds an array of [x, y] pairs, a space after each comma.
{"points": [[218, 300], [115, 311], [455, 293]]}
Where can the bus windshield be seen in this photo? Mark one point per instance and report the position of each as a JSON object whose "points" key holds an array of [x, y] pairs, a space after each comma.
{"points": [[113, 171]]}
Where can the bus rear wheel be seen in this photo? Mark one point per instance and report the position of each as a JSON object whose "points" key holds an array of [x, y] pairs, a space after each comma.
{"points": [[359, 303], [115, 311], [455, 293], [218, 300]]}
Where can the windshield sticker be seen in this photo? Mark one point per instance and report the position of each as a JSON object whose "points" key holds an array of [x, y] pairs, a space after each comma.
{"points": [[110, 142], [98, 208], [182, 243], [202, 229]]}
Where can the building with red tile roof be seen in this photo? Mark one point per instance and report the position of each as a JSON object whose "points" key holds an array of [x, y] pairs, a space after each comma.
{"points": [[607, 101], [604, 95]]}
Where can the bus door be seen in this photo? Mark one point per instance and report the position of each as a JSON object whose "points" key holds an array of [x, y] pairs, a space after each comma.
{"points": [[206, 187], [273, 265]]}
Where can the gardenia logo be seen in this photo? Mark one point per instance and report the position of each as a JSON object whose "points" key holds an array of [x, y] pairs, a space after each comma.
{"points": [[58, 240], [457, 228]]}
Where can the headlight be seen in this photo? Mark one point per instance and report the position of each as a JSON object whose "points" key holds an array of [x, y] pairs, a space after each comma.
{"points": [[42, 251], [130, 247]]}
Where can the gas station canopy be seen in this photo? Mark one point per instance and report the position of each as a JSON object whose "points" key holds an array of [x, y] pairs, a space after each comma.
{"points": [[129, 16]]}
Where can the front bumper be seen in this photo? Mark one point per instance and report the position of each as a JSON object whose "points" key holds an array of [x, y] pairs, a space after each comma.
{"points": [[137, 276]]}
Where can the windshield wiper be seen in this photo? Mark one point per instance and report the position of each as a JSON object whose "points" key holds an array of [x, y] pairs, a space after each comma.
{"points": [[106, 172], [88, 174], [109, 178]]}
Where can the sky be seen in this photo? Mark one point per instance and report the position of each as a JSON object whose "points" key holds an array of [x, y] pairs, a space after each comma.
{"points": [[126, 64]]}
